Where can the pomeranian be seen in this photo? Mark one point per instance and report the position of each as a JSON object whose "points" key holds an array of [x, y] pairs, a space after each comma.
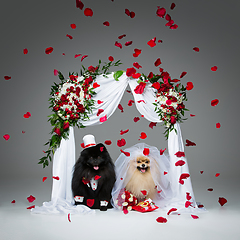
{"points": [[141, 184]]}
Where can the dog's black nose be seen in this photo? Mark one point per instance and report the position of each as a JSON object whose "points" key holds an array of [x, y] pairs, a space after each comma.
{"points": [[143, 165]]}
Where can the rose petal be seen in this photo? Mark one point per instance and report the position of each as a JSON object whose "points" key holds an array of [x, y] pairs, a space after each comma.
{"points": [[99, 102], [130, 102], [23, 132], [136, 65], [44, 179], [196, 49], [144, 192], [180, 154], [162, 151], [201, 172], [194, 216], [127, 12], [183, 176], [172, 210], [88, 12], [183, 74], [217, 174], [187, 204], [13, 201], [110, 58], [103, 119], [79, 4], [179, 163], [117, 44], [121, 142], [136, 75], [96, 85], [122, 36], [6, 137], [165, 173], [27, 115], [83, 57], [130, 71], [222, 201], [190, 143], [31, 199], [77, 55], [106, 23], [157, 62], [210, 189], [146, 151], [125, 211], [126, 153], [152, 124], [136, 119], [25, 51], [189, 86], [123, 132], [97, 177], [132, 14], [120, 107], [73, 26], [128, 43], [69, 36], [56, 178], [218, 125], [174, 26], [161, 220], [69, 217], [33, 206], [152, 42], [137, 52], [192, 115], [55, 72], [99, 111], [188, 197], [7, 77], [161, 12], [48, 50], [214, 69], [214, 102], [143, 135], [90, 202], [108, 142]]}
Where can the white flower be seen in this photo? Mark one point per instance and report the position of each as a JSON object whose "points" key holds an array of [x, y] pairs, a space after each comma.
{"points": [[168, 125], [125, 204]]}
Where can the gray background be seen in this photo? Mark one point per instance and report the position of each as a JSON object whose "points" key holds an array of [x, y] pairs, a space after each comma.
{"points": [[211, 25]]}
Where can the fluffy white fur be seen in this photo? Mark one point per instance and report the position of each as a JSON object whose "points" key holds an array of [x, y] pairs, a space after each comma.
{"points": [[141, 180]]}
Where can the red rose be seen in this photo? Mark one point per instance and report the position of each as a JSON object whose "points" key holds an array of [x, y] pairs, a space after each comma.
{"points": [[140, 88], [65, 125], [92, 69], [156, 85], [57, 131], [180, 107], [173, 120], [73, 78]]}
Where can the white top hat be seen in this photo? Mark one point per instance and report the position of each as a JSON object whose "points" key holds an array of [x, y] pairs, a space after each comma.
{"points": [[89, 140]]}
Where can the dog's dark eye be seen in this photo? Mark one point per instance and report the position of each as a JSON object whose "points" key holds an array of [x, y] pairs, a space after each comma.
{"points": [[138, 161], [147, 161]]}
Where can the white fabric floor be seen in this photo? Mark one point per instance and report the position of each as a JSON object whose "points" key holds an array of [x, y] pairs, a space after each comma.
{"points": [[16, 222]]}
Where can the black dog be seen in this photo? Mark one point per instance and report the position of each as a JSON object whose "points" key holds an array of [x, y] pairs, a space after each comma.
{"points": [[93, 178]]}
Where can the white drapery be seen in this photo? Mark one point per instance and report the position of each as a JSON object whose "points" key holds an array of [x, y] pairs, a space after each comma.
{"points": [[110, 93]]}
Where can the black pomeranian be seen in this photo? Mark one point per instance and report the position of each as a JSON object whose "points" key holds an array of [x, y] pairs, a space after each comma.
{"points": [[93, 178]]}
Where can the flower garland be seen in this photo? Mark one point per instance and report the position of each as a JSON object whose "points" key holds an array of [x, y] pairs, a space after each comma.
{"points": [[71, 102], [170, 98]]}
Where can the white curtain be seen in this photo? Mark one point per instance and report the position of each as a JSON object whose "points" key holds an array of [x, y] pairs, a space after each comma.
{"points": [[110, 93]]}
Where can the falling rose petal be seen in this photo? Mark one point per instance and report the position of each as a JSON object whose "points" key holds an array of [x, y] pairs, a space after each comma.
{"points": [[175, 80], [150, 75], [136, 65], [214, 69], [183, 176], [144, 192], [48, 50], [103, 119], [130, 102], [210, 189], [128, 43], [188, 196], [69, 36], [27, 115], [168, 17], [218, 125], [6, 137], [77, 55], [161, 12], [192, 115], [99, 102], [157, 62], [146, 151], [108, 142], [161, 220], [101, 150], [79, 4], [33, 206], [25, 51], [90, 202], [190, 143], [189, 86], [194, 216], [83, 57], [73, 26], [214, 102], [122, 36], [180, 154], [162, 151], [174, 26], [183, 74], [31, 199], [121, 178], [117, 44], [99, 111], [125, 211], [69, 217], [196, 49], [7, 77], [106, 23], [44, 179], [120, 107], [125, 153], [222, 201], [97, 177], [130, 71], [123, 132], [200, 206], [110, 58], [56, 178], [187, 204], [55, 72], [217, 174], [160, 41], [152, 42], [141, 101], [173, 5], [132, 14], [180, 163], [136, 119], [13, 201], [136, 75], [96, 85], [88, 12], [127, 12], [172, 210], [165, 173], [152, 124], [121, 142], [201, 172], [63, 54], [137, 52], [143, 135]]}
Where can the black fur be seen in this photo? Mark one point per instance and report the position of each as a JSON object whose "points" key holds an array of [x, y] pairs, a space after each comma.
{"points": [[83, 169]]}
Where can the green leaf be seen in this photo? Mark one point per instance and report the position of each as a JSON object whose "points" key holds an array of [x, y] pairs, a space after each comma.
{"points": [[118, 74]]}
